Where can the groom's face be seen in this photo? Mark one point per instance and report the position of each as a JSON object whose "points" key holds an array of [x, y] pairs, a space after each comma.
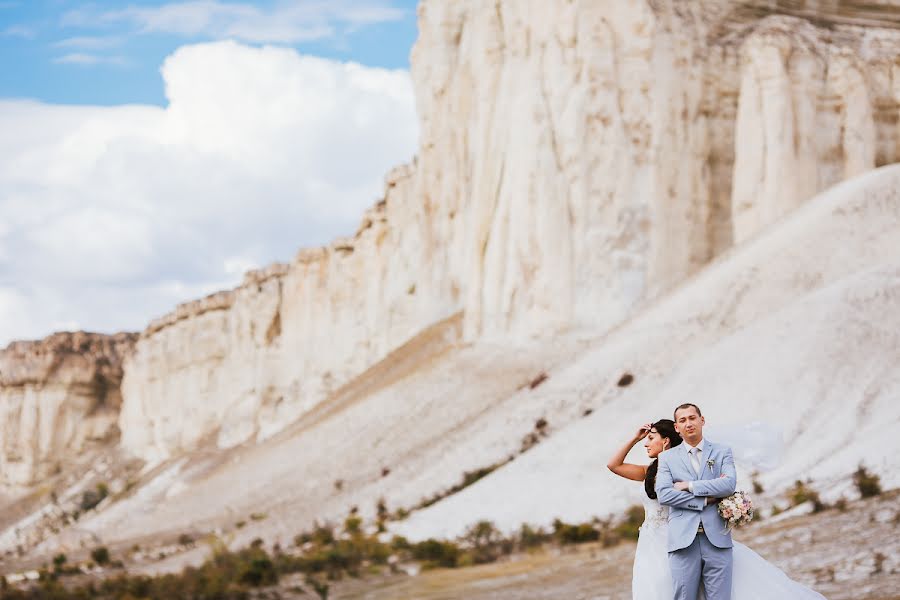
{"points": [[688, 423]]}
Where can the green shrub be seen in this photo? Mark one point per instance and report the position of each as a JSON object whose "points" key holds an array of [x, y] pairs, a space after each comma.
{"points": [[353, 525], [485, 543], [630, 526], [801, 494], [435, 553], [757, 486], [258, 571], [532, 538], [100, 555], [565, 533], [400, 543], [91, 498], [868, 484], [381, 510]]}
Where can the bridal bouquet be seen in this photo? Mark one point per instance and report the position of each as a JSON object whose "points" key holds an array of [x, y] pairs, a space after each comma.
{"points": [[736, 509]]}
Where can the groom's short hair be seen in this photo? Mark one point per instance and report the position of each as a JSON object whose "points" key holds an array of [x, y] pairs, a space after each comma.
{"points": [[686, 405]]}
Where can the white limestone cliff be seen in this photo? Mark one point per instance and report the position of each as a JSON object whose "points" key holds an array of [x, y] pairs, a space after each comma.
{"points": [[577, 159], [57, 396]]}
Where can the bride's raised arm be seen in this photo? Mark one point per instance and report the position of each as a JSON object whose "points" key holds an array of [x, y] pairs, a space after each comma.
{"points": [[617, 463]]}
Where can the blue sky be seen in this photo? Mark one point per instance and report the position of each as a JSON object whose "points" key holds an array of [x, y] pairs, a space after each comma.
{"points": [[153, 152], [109, 52]]}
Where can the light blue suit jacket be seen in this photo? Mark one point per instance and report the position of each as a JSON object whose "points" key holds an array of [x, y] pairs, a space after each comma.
{"points": [[687, 510]]}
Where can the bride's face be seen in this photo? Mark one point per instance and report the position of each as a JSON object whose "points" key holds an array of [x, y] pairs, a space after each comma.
{"points": [[655, 443]]}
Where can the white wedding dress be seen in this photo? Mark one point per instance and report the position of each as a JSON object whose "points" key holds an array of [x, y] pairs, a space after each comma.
{"points": [[754, 578]]}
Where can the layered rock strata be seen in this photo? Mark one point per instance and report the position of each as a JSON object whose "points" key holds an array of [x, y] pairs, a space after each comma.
{"points": [[57, 396]]}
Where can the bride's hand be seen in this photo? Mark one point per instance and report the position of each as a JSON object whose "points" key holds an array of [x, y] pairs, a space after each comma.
{"points": [[642, 432]]}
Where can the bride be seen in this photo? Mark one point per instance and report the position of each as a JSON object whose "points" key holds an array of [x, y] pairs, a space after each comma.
{"points": [[753, 577]]}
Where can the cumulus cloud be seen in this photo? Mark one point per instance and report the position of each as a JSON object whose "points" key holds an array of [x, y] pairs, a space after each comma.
{"points": [[111, 215], [285, 22]]}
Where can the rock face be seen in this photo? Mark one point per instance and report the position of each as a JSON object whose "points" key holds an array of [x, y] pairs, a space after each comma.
{"points": [[577, 160], [57, 396]]}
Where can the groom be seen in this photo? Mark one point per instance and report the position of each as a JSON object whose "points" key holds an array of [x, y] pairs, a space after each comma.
{"points": [[690, 479]]}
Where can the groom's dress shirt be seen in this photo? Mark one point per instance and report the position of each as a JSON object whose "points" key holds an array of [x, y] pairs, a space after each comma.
{"points": [[696, 454]]}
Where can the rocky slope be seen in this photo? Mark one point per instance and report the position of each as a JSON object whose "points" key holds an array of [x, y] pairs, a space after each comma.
{"points": [[796, 328]]}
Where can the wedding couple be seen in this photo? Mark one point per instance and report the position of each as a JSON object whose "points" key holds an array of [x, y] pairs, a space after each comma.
{"points": [[684, 549]]}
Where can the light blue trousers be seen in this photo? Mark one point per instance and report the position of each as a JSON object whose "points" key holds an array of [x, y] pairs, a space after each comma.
{"points": [[701, 560]]}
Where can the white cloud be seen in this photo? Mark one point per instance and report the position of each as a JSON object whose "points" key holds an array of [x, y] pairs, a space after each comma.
{"points": [[286, 22], [19, 31], [89, 60], [109, 216], [89, 42]]}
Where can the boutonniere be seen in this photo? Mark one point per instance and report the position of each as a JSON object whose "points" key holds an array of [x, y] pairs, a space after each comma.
{"points": [[710, 463]]}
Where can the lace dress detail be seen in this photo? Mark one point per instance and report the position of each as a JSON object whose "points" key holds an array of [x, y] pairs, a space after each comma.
{"points": [[655, 515]]}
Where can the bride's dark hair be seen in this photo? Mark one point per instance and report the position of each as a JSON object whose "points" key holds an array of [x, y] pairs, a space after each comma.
{"points": [[665, 428]]}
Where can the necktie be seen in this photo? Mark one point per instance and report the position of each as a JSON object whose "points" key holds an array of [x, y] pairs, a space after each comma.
{"points": [[695, 460]]}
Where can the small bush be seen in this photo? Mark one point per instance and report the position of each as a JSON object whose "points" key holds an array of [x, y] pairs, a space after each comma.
{"points": [[485, 543], [258, 570], [801, 494], [400, 543], [625, 380], [757, 486], [868, 484], [630, 526], [533, 538], [91, 498], [353, 525], [100, 555], [529, 441], [565, 533], [436, 553]]}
